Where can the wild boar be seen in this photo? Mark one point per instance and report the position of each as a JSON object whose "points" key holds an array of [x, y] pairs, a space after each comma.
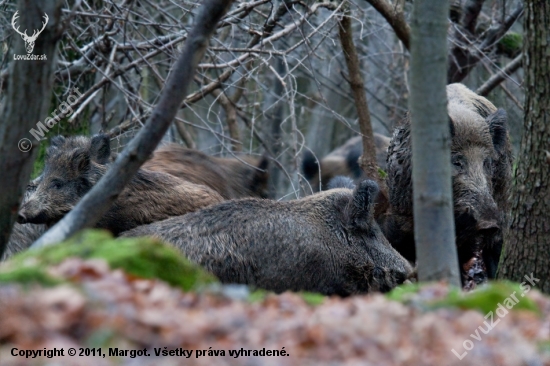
{"points": [[21, 238], [239, 177], [73, 167], [327, 243], [23, 235], [482, 170], [342, 161]]}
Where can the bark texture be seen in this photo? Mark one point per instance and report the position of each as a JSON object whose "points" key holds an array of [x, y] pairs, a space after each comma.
{"points": [[431, 154], [27, 102], [527, 245]]}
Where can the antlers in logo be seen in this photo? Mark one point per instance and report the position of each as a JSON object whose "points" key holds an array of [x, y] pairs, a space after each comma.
{"points": [[29, 41]]}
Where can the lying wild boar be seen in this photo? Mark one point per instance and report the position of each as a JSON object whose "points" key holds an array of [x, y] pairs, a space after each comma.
{"points": [[230, 177], [73, 167], [23, 235], [342, 161], [327, 243], [481, 160], [21, 238]]}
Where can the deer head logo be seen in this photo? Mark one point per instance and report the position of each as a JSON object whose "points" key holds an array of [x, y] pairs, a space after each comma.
{"points": [[29, 41]]}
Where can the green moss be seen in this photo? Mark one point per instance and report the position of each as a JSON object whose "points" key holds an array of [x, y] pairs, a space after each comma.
{"points": [[485, 298], [382, 173], [510, 44], [28, 275], [404, 293], [488, 298], [257, 295], [102, 337], [544, 347], [141, 257], [313, 298]]}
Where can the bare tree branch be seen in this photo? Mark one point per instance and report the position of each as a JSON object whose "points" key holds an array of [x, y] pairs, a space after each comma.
{"points": [[396, 18], [90, 209], [230, 118], [368, 159], [472, 8], [468, 48], [496, 31], [184, 134], [499, 77]]}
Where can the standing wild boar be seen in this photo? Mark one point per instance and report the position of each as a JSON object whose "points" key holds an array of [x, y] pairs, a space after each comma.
{"points": [[481, 160], [239, 177], [73, 166], [327, 243], [342, 161]]}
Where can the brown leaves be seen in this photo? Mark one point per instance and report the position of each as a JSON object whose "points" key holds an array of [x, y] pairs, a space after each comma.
{"points": [[358, 330]]}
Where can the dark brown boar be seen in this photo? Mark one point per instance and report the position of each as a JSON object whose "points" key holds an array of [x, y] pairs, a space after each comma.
{"points": [[23, 235], [72, 168], [342, 161], [239, 177], [327, 242], [21, 238], [481, 160]]}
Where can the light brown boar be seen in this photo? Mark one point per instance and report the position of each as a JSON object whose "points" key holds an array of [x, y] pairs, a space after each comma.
{"points": [[239, 177], [342, 161], [482, 170]]}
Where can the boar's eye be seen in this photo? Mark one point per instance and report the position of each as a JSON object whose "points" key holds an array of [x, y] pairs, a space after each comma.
{"points": [[56, 184], [458, 161]]}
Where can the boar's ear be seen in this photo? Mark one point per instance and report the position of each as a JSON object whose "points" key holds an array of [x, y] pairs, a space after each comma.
{"points": [[57, 141], [310, 165], [101, 148], [341, 182], [259, 183], [498, 128], [80, 161], [353, 161], [263, 164], [364, 198], [452, 127]]}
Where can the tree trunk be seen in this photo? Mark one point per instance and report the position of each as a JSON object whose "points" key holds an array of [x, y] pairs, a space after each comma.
{"points": [[368, 159], [434, 229], [27, 102], [527, 245], [274, 120]]}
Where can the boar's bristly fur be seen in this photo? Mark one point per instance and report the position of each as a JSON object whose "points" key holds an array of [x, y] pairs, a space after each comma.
{"points": [[482, 169], [327, 243], [342, 161], [239, 177], [21, 238], [73, 167], [23, 235]]}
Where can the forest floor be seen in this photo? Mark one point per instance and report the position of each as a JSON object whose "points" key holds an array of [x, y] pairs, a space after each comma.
{"points": [[90, 305]]}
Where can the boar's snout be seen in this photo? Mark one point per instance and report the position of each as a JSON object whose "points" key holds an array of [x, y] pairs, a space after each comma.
{"points": [[21, 218], [30, 213]]}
